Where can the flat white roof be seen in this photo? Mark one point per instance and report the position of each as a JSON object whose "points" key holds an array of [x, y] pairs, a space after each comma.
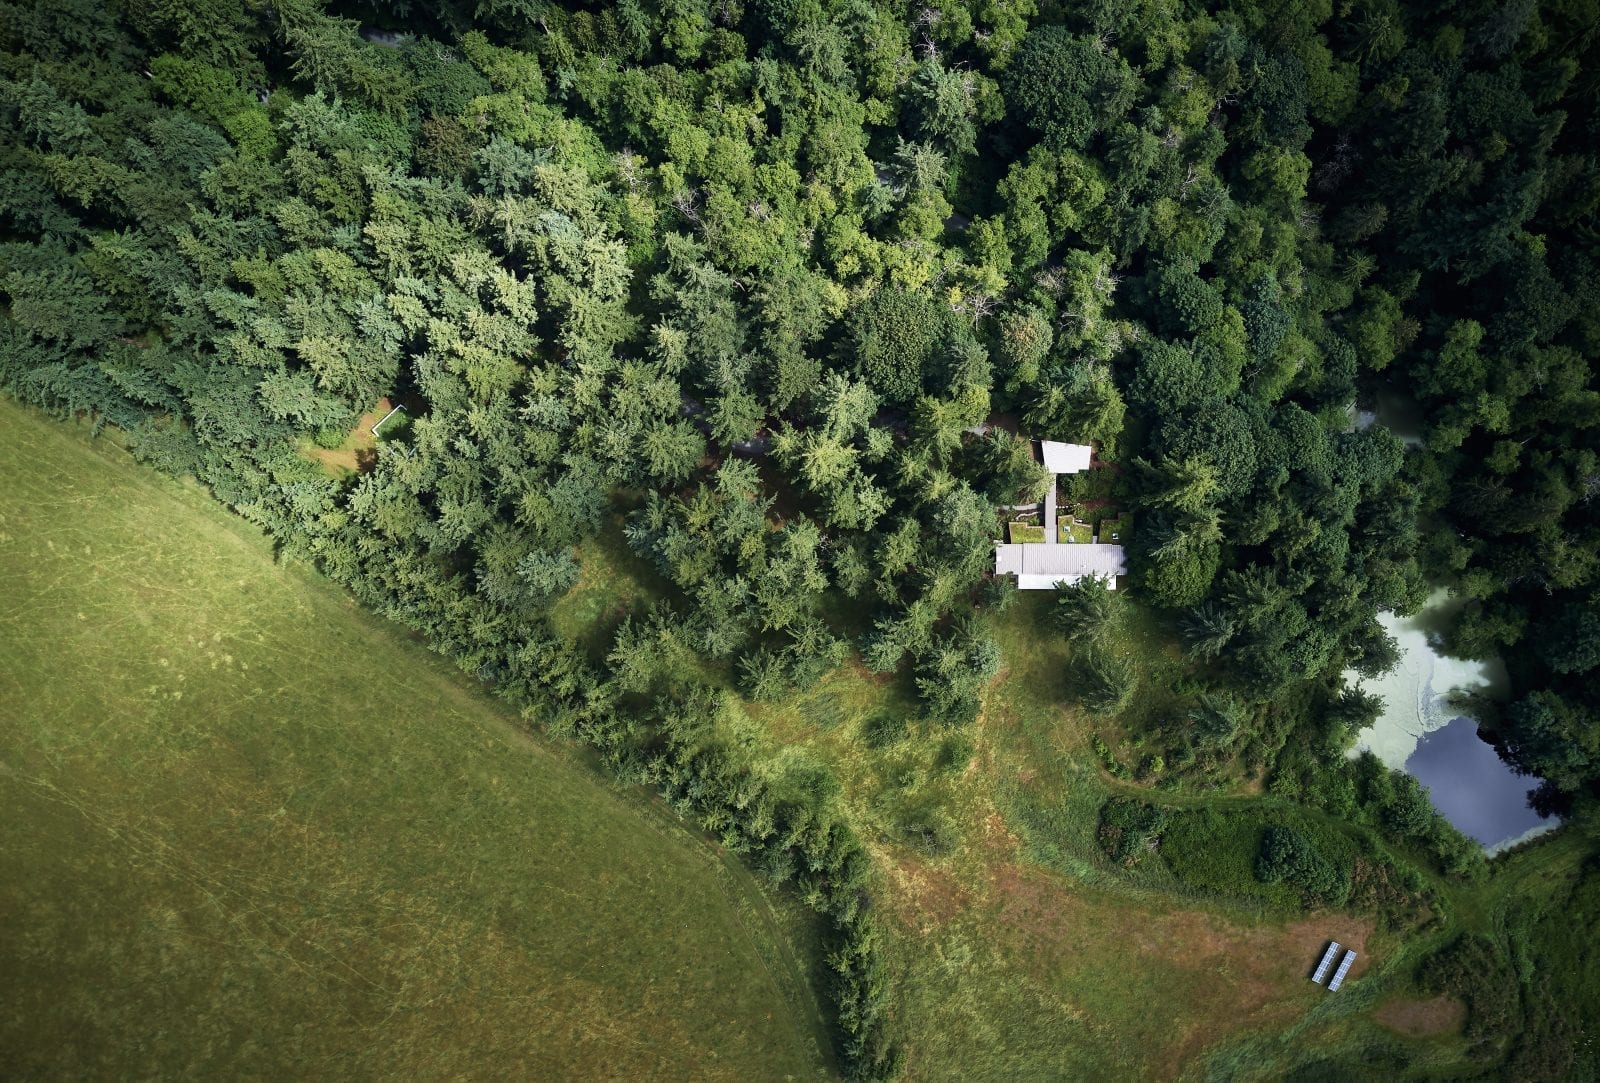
{"points": [[1048, 582], [1065, 458], [1327, 961], [1059, 561]]}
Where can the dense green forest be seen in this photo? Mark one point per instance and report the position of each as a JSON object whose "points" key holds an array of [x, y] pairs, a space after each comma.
{"points": [[738, 281]]}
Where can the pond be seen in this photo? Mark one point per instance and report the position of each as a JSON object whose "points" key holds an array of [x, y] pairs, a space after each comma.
{"points": [[1421, 733], [1395, 411], [1473, 787]]}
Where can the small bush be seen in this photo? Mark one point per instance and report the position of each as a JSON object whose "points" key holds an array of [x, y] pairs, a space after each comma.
{"points": [[328, 437], [1471, 967], [1129, 829], [1105, 680], [955, 752], [1287, 856], [883, 730]]}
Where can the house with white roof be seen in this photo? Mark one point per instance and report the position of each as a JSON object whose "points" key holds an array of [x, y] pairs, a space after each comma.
{"points": [[1065, 458], [1041, 566]]}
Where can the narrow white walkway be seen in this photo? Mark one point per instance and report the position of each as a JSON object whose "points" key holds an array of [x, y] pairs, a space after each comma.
{"points": [[1050, 533]]}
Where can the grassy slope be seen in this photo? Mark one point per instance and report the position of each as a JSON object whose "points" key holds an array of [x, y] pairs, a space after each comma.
{"points": [[251, 830], [1020, 952]]}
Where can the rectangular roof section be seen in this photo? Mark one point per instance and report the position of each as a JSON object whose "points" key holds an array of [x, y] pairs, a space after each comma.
{"points": [[1065, 458], [1048, 582], [1327, 961], [1059, 561], [1344, 968]]}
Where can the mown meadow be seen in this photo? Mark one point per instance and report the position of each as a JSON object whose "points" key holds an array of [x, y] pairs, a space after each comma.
{"points": [[253, 831]]}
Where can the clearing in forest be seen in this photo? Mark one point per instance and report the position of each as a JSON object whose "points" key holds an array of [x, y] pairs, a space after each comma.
{"points": [[358, 452], [1015, 949], [251, 830]]}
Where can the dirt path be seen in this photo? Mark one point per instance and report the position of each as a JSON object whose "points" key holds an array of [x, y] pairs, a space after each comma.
{"points": [[359, 452]]}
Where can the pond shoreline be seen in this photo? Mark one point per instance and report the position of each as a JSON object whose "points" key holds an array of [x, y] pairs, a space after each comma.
{"points": [[1422, 733]]}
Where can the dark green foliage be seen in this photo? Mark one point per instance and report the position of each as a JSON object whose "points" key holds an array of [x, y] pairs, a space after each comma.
{"points": [[1213, 852], [746, 279], [896, 334], [1067, 87], [1103, 678], [1129, 829], [1573, 645], [1086, 612], [1551, 737], [954, 669], [1471, 968], [1207, 630], [1287, 856]]}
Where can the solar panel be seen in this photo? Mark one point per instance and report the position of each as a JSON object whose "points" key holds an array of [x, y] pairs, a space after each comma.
{"points": [[1344, 968], [1327, 960]]}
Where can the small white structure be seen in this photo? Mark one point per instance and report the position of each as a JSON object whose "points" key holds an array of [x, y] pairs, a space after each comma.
{"points": [[1065, 458], [1327, 961], [1041, 567], [378, 423], [1344, 968]]}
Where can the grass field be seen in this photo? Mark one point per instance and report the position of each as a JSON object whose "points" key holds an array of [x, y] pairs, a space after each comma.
{"points": [[251, 831], [612, 581], [1116, 531], [1016, 950]]}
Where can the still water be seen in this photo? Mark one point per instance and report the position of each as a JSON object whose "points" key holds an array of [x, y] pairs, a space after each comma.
{"points": [[1472, 786], [1419, 732]]}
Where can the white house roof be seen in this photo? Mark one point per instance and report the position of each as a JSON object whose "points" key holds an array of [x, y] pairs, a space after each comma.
{"points": [[1065, 458], [1058, 562], [1049, 582]]}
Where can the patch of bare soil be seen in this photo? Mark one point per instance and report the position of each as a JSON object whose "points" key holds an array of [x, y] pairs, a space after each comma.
{"points": [[359, 451], [359, 460], [1422, 1018], [1254, 975], [924, 896]]}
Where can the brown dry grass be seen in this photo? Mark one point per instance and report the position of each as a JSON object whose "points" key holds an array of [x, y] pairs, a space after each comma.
{"points": [[1217, 977], [1422, 1018]]}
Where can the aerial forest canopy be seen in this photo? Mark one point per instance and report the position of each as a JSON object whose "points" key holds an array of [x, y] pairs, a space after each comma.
{"points": [[747, 283]]}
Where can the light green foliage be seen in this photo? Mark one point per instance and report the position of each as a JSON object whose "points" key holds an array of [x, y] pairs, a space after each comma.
{"points": [[217, 95]]}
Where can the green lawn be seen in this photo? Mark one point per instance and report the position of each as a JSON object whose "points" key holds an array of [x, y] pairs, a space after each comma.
{"points": [[1068, 531], [612, 581], [1116, 530], [1014, 948], [1025, 532], [251, 831]]}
